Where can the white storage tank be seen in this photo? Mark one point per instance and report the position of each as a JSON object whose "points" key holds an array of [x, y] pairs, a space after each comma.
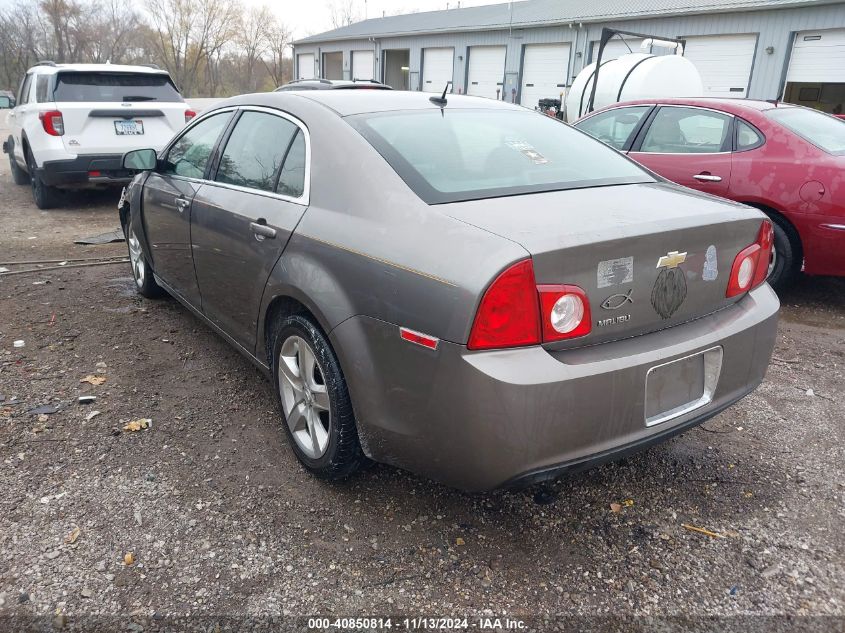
{"points": [[633, 76]]}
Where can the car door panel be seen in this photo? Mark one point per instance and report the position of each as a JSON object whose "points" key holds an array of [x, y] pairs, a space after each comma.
{"points": [[167, 224], [167, 200], [689, 146], [237, 238], [241, 222]]}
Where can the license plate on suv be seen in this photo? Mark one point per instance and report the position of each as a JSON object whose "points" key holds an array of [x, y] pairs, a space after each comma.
{"points": [[129, 128]]}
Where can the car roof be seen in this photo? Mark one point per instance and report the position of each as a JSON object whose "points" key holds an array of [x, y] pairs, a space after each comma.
{"points": [[349, 102], [726, 104], [52, 68], [332, 84]]}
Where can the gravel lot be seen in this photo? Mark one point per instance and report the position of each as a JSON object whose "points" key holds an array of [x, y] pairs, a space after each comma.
{"points": [[221, 520]]}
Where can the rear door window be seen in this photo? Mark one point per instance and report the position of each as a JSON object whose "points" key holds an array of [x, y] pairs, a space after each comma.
{"points": [[114, 87], [687, 131], [23, 94], [190, 154], [747, 137], [256, 150], [42, 88], [292, 178], [615, 126]]}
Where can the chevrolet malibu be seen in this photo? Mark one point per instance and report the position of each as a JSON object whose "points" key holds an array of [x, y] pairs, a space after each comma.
{"points": [[456, 286]]}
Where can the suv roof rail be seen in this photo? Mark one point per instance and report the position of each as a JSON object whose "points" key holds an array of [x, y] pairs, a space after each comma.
{"points": [[45, 62], [153, 66], [320, 79], [369, 81]]}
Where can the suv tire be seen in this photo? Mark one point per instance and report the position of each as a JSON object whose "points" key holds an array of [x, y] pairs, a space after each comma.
{"points": [[19, 176], [45, 196]]}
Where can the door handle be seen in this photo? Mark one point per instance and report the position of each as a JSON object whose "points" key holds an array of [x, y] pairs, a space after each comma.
{"points": [[261, 230], [182, 204], [706, 176]]}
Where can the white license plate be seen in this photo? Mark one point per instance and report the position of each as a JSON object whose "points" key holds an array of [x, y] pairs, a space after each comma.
{"points": [[129, 128]]}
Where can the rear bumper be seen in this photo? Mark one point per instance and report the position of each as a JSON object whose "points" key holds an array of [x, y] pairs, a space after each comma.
{"points": [[85, 169], [482, 420]]}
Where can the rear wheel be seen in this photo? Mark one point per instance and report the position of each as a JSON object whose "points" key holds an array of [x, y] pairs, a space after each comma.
{"points": [[19, 176], [45, 196], [314, 399], [786, 255]]}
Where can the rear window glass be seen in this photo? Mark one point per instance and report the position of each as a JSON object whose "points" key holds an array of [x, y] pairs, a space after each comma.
{"points": [[822, 130], [468, 154], [119, 87]]}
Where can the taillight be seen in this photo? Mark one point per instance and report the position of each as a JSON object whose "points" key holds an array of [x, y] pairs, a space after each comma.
{"points": [[751, 265], [516, 312], [189, 114], [565, 312], [509, 314], [52, 122]]}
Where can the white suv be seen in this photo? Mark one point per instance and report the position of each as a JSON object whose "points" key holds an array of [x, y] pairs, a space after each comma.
{"points": [[73, 122]]}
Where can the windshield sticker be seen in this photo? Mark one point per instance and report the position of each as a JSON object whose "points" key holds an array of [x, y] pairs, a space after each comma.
{"points": [[711, 267], [615, 272], [528, 151]]}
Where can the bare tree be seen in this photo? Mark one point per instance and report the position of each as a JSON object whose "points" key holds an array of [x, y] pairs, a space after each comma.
{"points": [[279, 67], [253, 41], [116, 27], [343, 13]]}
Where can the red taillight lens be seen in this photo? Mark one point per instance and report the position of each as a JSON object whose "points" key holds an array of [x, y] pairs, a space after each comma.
{"points": [[751, 265], [565, 312], [515, 311], [509, 313], [189, 114], [52, 122]]}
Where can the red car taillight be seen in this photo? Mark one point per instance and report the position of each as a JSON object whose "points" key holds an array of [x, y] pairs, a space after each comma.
{"points": [[516, 312], [189, 114], [52, 122], [751, 265]]}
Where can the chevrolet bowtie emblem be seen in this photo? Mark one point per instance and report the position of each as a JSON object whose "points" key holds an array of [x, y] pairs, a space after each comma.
{"points": [[672, 259]]}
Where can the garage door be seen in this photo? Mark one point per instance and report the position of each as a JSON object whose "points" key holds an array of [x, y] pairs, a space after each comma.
{"points": [[305, 66], [818, 57], [724, 61], [616, 48], [362, 64], [438, 64], [486, 70], [545, 68]]}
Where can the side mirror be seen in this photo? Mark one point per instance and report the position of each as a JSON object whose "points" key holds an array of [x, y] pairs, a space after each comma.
{"points": [[140, 160]]}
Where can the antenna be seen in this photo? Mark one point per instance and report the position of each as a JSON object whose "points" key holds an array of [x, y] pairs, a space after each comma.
{"points": [[441, 100]]}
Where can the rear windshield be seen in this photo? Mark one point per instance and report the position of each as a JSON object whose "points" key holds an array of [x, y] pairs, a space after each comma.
{"points": [[467, 154], [117, 87], [822, 130]]}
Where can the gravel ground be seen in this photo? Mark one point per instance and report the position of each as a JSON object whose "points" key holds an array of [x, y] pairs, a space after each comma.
{"points": [[220, 520]]}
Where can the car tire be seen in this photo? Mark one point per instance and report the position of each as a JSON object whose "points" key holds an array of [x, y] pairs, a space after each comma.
{"points": [[787, 255], [45, 196], [142, 272], [314, 400], [19, 176]]}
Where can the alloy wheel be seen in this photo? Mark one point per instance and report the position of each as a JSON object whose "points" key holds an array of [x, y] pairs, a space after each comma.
{"points": [[136, 258], [305, 399]]}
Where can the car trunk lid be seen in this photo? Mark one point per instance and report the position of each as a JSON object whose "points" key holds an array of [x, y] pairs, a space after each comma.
{"points": [[649, 256]]}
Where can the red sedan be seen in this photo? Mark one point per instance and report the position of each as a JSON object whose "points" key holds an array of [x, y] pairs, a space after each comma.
{"points": [[786, 160]]}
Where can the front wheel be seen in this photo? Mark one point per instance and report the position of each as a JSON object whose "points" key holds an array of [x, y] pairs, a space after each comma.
{"points": [[314, 399], [145, 283]]}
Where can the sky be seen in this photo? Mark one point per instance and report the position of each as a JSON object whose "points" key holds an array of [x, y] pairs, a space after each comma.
{"points": [[307, 17]]}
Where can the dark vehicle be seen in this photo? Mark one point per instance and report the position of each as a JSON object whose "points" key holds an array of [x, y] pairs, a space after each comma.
{"points": [[461, 287], [333, 84]]}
